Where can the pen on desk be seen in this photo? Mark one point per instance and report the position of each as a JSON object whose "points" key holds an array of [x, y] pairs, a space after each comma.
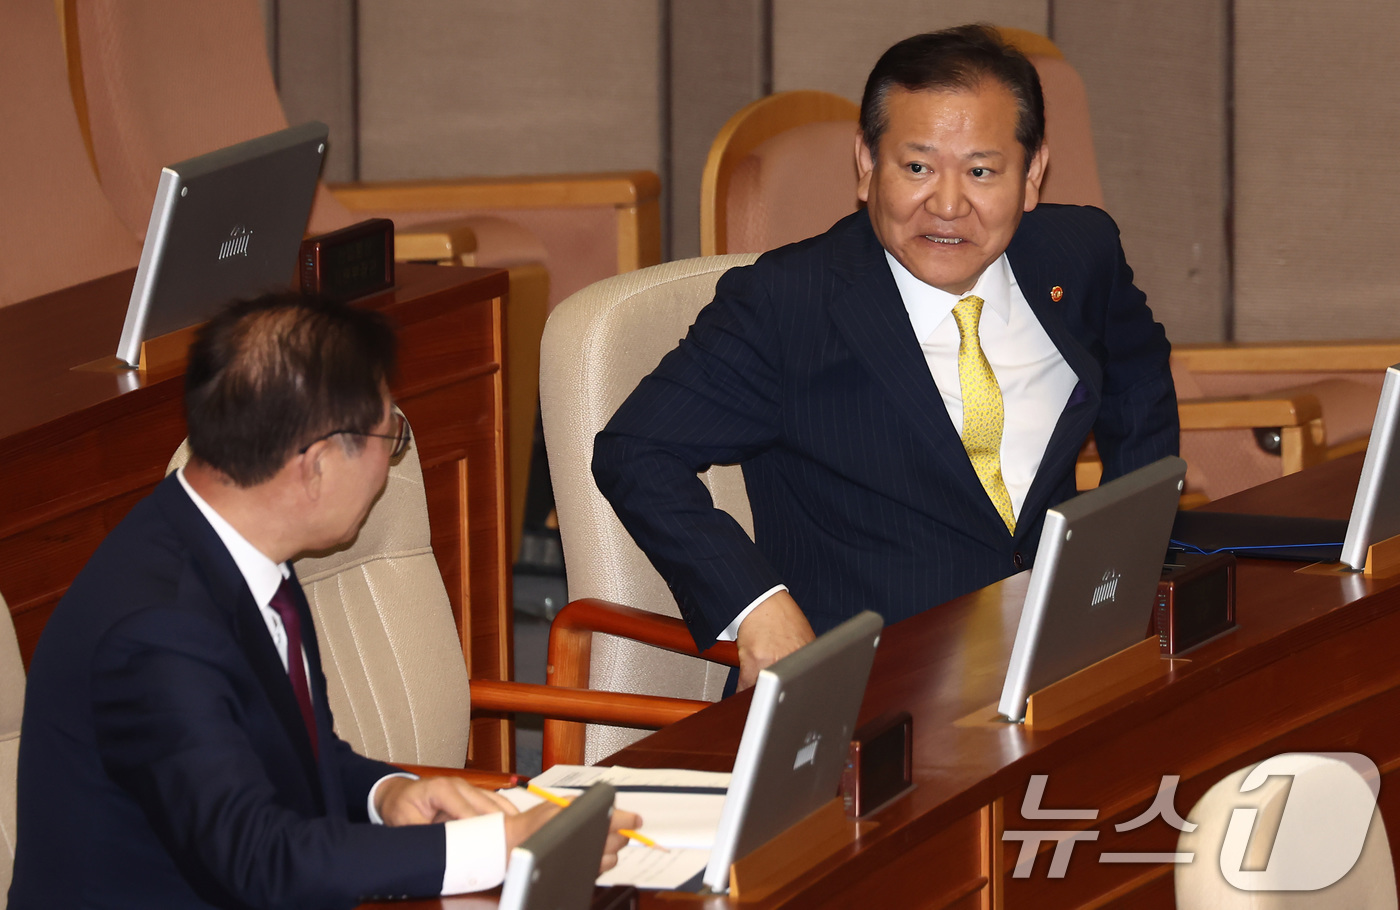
{"points": [[637, 836]]}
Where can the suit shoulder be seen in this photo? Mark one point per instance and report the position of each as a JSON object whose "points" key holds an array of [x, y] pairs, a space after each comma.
{"points": [[1051, 217], [776, 272], [142, 562], [1068, 234]]}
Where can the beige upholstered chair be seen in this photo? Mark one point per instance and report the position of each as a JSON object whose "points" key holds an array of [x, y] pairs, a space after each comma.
{"points": [[11, 707], [781, 170], [395, 672], [597, 346], [1200, 884], [57, 229]]}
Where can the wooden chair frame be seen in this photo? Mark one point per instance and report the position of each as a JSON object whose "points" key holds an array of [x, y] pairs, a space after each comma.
{"points": [[565, 700], [752, 126]]}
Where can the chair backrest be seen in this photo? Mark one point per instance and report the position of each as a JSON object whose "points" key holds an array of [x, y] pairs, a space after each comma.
{"points": [[1201, 885], [597, 346], [57, 229], [783, 168], [395, 674], [11, 708], [165, 80], [780, 170]]}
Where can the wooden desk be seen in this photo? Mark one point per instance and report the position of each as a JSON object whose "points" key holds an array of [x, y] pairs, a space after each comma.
{"points": [[1312, 667], [78, 448]]}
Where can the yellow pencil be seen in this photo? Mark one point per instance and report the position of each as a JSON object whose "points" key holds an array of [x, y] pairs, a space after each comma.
{"points": [[544, 794], [641, 838], [637, 836]]}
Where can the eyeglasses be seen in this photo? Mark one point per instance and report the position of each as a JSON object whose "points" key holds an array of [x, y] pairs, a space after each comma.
{"points": [[401, 436]]}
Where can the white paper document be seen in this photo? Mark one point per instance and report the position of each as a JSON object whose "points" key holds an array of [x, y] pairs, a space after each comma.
{"points": [[680, 810], [586, 776], [643, 867]]}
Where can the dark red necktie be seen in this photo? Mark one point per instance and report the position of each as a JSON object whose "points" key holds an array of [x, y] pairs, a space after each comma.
{"points": [[285, 606]]}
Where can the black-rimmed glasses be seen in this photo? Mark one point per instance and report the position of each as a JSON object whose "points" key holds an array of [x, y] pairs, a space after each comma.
{"points": [[400, 437]]}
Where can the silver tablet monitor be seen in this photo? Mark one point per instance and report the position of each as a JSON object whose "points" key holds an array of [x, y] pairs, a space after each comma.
{"points": [[795, 741], [1095, 579], [1375, 513], [554, 869], [225, 226]]}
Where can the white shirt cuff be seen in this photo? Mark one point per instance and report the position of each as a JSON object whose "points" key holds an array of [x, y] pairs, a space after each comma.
{"points": [[373, 812], [731, 631], [476, 853]]}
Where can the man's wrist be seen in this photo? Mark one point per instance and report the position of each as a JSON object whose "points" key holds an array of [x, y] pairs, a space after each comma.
{"points": [[475, 853], [373, 809], [731, 631]]}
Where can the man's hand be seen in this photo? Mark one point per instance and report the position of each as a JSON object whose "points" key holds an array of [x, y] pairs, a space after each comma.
{"points": [[404, 801], [774, 629], [521, 826], [615, 842]]}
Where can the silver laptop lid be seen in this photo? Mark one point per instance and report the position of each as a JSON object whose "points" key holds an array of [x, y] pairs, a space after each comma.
{"points": [[225, 226], [1095, 579], [1375, 513], [556, 866], [795, 741]]}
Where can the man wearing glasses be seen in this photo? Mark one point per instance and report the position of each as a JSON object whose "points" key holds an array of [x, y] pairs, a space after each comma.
{"points": [[177, 747]]}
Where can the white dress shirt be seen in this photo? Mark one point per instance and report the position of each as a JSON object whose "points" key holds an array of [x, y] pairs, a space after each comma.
{"points": [[476, 847], [1035, 380]]}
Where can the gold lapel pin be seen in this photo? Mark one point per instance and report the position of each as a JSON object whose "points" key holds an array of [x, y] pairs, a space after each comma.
{"points": [[1056, 293]]}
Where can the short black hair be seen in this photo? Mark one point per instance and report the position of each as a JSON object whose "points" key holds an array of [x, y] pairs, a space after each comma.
{"points": [[269, 375], [955, 59]]}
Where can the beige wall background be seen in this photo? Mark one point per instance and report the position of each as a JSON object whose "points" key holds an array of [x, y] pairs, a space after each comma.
{"points": [[1243, 145]]}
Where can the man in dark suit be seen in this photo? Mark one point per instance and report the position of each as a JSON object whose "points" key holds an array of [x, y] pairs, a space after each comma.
{"points": [[177, 746], [907, 392]]}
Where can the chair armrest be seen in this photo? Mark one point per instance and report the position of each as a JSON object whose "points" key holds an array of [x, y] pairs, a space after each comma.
{"points": [[1291, 357], [1296, 413], [624, 188], [1284, 408], [447, 242], [633, 197], [622, 709], [571, 638], [571, 647], [486, 780]]}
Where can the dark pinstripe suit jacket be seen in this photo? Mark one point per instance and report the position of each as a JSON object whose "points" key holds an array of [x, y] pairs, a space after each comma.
{"points": [[806, 370]]}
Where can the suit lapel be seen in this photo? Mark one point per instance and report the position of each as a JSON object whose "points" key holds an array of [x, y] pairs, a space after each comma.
{"points": [[227, 588], [1037, 285], [870, 315]]}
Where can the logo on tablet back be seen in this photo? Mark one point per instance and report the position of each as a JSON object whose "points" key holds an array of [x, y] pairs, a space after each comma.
{"points": [[1106, 588], [236, 244], [808, 753]]}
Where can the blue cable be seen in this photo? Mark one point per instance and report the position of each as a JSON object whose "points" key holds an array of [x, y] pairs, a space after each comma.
{"points": [[1192, 548]]}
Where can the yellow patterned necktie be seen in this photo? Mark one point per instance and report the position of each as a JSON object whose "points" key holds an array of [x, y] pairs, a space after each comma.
{"points": [[982, 411]]}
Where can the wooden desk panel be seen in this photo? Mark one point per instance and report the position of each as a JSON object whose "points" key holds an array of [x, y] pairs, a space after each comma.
{"points": [[79, 447]]}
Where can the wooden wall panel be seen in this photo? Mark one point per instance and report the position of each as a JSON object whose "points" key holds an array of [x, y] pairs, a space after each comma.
{"points": [[313, 47], [832, 44], [1156, 79], [469, 87], [718, 64], [1317, 129]]}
